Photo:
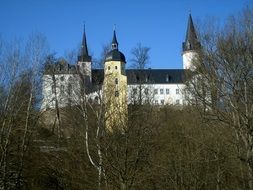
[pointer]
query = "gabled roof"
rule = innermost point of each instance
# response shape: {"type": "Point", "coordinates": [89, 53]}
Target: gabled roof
{"type": "Point", "coordinates": [155, 76]}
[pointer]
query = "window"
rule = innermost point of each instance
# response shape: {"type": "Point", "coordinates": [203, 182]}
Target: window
{"type": "Point", "coordinates": [116, 81]}
{"type": "Point", "coordinates": [53, 89]}
{"type": "Point", "coordinates": [116, 67]}
{"type": "Point", "coordinates": [146, 91]}
{"type": "Point", "coordinates": [177, 91]}
{"type": "Point", "coordinates": [177, 101]}
{"type": "Point", "coordinates": [62, 89]}
{"type": "Point", "coordinates": [135, 90]}
{"type": "Point", "coordinates": [167, 90]}
{"type": "Point", "coordinates": [156, 91]}
{"type": "Point", "coordinates": [62, 78]}
{"type": "Point", "coordinates": [70, 89]}
{"type": "Point", "coordinates": [161, 91]}
{"type": "Point", "coordinates": [96, 99]}
{"type": "Point", "coordinates": [168, 78]}
{"type": "Point", "coordinates": [109, 67]}
{"type": "Point", "coordinates": [116, 93]}
{"type": "Point", "coordinates": [162, 102]}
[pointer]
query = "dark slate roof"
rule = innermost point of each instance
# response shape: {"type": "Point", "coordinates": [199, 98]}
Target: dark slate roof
{"type": "Point", "coordinates": [60, 67]}
{"type": "Point", "coordinates": [155, 76]}
{"type": "Point", "coordinates": [97, 76]}
{"type": "Point", "coordinates": [115, 55]}
{"type": "Point", "coordinates": [145, 76]}
{"type": "Point", "coordinates": [84, 54]}
{"type": "Point", "coordinates": [191, 39]}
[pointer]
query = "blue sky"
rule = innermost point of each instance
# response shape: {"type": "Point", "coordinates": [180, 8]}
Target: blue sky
{"type": "Point", "coordinates": [158, 24]}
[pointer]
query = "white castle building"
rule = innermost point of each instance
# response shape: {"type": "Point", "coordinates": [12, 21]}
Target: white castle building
{"type": "Point", "coordinates": [64, 84]}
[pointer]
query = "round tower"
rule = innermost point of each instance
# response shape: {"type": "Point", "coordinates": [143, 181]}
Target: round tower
{"type": "Point", "coordinates": [115, 87]}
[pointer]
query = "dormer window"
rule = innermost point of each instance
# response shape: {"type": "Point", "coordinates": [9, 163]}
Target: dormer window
{"type": "Point", "coordinates": [168, 78]}
{"type": "Point", "coordinates": [146, 78]}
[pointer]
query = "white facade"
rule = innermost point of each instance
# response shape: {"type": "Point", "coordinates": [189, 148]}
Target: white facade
{"type": "Point", "coordinates": [61, 89]}
{"type": "Point", "coordinates": [165, 87]}
{"type": "Point", "coordinates": [157, 94]}
{"type": "Point", "coordinates": [66, 91]}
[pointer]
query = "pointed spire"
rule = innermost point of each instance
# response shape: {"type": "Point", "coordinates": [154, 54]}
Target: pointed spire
{"type": "Point", "coordinates": [114, 40]}
{"type": "Point", "coordinates": [84, 43]}
{"type": "Point", "coordinates": [84, 54]}
{"type": "Point", "coordinates": [190, 34]}
{"type": "Point", "coordinates": [191, 39]}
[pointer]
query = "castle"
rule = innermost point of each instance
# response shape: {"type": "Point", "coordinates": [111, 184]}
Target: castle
{"type": "Point", "coordinates": [63, 84]}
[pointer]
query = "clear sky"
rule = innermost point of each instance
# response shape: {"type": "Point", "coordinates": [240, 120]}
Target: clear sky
{"type": "Point", "coordinates": [158, 24]}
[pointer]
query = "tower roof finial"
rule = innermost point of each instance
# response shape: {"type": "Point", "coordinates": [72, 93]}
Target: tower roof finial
{"type": "Point", "coordinates": [114, 39]}
{"type": "Point", "coordinates": [84, 26]}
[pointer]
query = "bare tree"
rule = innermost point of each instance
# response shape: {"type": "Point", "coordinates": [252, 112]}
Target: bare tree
{"type": "Point", "coordinates": [140, 57]}
{"type": "Point", "coordinates": [223, 82]}
{"type": "Point", "coordinates": [141, 92]}
{"type": "Point", "coordinates": [18, 115]}
{"type": "Point", "coordinates": [99, 62]}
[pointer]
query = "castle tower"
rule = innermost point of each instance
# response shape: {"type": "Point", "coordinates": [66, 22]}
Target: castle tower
{"type": "Point", "coordinates": [115, 88]}
{"type": "Point", "coordinates": [190, 46]}
{"type": "Point", "coordinates": [84, 61]}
